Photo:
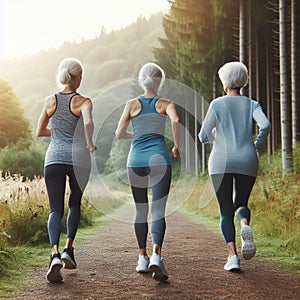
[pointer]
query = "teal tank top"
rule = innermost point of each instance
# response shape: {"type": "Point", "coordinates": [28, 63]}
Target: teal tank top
{"type": "Point", "coordinates": [148, 147]}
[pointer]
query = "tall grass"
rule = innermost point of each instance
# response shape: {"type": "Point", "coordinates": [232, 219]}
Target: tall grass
{"type": "Point", "coordinates": [24, 211]}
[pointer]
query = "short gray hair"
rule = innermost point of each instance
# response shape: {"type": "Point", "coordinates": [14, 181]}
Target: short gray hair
{"type": "Point", "coordinates": [233, 75]}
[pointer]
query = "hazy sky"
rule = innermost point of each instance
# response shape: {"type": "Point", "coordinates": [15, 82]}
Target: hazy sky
{"type": "Point", "coordinates": [27, 26]}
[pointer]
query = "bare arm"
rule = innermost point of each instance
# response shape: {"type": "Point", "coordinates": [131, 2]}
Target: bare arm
{"type": "Point", "coordinates": [86, 111]}
{"type": "Point", "coordinates": [42, 127]}
{"type": "Point", "coordinates": [121, 131]}
{"type": "Point", "coordinates": [173, 115]}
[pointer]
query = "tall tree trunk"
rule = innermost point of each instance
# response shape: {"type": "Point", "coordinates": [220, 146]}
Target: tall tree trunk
{"type": "Point", "coordinates": [243, 35]}
{"type": "Point", "coordinates": [196, 130]}
{"type": "Point", "coordinates": [187, 137]}
{"type": "Point", "coordinates": [285, 98]}
{"type": "Point", "coordinates": [250, 52]}
{"type": "Point", "coordinates": [295, 77]}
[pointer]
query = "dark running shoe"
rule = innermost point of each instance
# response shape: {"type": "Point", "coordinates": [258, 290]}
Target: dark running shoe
{"type": "Point", "coordinates": [68, 258]}
{"type": "Point", "coordinates": [54, 272]}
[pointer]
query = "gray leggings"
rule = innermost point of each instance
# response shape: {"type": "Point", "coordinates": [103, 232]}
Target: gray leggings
{"type": "Point", "coordinates": [159, 179]}
{"type": "Point", "coordinates": [55, 178]}
{"type": "Point", "coordinates": [223, 186]}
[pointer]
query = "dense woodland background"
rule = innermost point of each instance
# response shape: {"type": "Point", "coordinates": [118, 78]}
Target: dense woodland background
{"type": "Point", "coordinates": [191, 42]}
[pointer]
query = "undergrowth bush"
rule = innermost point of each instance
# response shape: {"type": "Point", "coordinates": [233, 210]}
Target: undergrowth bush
{"type": "Point", "coordinates": [25, 210]}
{"type": "Point", "coordinates": [25, 158]}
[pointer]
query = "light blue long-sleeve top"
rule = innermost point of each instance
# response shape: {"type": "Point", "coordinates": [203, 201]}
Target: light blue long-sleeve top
{"type": "Point", "coordinates": [228, 124]}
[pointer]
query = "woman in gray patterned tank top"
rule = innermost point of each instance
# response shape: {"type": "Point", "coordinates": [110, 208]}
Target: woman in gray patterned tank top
{"type": "Point", "coordinates": [67, 119]}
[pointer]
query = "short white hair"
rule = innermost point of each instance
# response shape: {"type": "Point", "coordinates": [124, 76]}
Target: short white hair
{"type": "Point", "coordinates": [233, 75]}
{"type": "Point", "coordinates": [150, 75]}
{"type": "Point", "coordinates": [67, 70]}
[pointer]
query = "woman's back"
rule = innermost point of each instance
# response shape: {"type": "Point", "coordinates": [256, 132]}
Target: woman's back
{"type": "Point", "coordinates": [68, 145]}
{"type": "Point", "coordinates": [148, 146]}
{"type": "Point", "coordinates": [233, 150]}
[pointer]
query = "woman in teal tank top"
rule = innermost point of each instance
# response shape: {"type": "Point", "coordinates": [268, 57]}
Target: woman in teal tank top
{"type": "Point", "coordinates": [149, 162]}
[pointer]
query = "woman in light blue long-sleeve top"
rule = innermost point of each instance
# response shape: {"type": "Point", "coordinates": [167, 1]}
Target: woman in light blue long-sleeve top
{"type": "Point", "coordinates": [233, 162]}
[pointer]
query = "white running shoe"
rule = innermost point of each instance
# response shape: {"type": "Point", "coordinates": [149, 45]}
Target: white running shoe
{"type": "Point", "coordinates": [143, 264]}
{"type": "Point", "coordinates": [54, 273]}
{"type": "Point", "coordinates": [248, 246]}
{"type": "Point", "coordinates": [157, 267]}
{"type": "Point", "coordinates": [233, 264]}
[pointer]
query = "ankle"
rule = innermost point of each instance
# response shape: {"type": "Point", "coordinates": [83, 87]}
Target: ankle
{"type": "Point", "coordinates": [157, 249]}
{"type": "Point", "coordinates": [143, 252]}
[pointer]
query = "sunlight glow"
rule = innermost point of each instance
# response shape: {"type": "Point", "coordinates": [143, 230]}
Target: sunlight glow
{"type": "Point", "coordinates": [28, 26]}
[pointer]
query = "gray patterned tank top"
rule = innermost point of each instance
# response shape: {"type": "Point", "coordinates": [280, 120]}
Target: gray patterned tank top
{"type": "Point", "coordinates": [68, 143]}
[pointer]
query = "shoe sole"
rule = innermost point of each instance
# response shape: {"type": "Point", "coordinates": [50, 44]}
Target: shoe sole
{"type": "Point", "coordinates": [248, 245]}
{"type": "Point", "coordinates": [54, 272]}
{"type": "Point", "coordinates": [142, 271]}
{"type": "Point", "coordinates": [68, 262]}
{"type": "Point", "coordinates": [158, 273]}
{"type": "Point", "coordinates": [233, 270]}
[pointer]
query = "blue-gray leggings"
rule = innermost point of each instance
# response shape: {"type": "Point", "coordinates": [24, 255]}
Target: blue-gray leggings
{"type": "Point", "coordinates": [223, 185]}
{"type": "Point", "coordinates": [55, 178]}
{"type": "Point", "coordinates": [159, 179]}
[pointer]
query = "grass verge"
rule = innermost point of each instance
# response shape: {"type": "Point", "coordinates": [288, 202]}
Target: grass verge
{"type": "Point", "coordinates": [23, 259]}
{"type": "Point", "coordinates": [274, 223]}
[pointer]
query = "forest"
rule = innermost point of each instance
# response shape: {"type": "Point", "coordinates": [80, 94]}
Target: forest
{"type": "Point", "coordinates": [26, 81]}
{"type": "Point", "coordinates": [262, 35]}
{"type": "Point", "coordinates": [190, 43]}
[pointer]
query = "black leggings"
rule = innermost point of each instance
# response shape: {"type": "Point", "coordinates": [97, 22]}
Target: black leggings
{"type": "Point", "coordinates": [55, 178]}
{"type": "Point", "coordinates": [223, 186]}
{"type": "Point", "coordinates": [160, 180]}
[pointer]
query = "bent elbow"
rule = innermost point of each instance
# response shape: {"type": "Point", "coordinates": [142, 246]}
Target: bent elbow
{"type": "Point", "coordinates": [39, 133]}
{"type": "Point", "coordinates": [176, 120]}
{"type": "Point", "coordinates": [89, 124]}
{"type": "Point", "coordinates": [118, 135]}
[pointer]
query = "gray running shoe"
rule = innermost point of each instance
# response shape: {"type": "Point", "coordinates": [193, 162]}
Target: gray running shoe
{"type": "Point", "coordinates": [248, 246]}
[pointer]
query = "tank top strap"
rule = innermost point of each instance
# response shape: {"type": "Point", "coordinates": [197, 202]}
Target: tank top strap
{"type": "Point", "coordinates": [148, 104]}
{"type": "Point", "coordinates": [63, 101]}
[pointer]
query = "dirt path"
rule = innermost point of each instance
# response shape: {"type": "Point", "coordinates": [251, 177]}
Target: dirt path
{"type": "Point", "coordinates": [193, 256]}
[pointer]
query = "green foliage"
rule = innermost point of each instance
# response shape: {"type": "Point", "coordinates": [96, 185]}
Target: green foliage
{"type": "Point", "coordinates": [25, 158]}
{"type": "Point", "coordinates": [273, 165]}
{"type": "Point", "coordinates": [13, 124]}
{"type": "Point", "coordinates": [195, 45]}
{"type": "Point", "coordinates": [118, 158]}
